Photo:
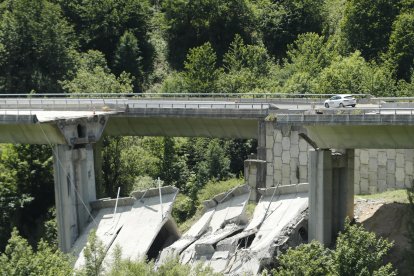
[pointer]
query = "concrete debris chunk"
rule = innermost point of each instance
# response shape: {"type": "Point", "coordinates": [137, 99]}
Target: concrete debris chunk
{"type": "Point", "coordinates": [141, 225]}
{"type": "Point", "coordinates": [224, 215]}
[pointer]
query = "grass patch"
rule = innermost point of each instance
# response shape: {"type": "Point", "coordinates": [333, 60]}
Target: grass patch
{"type": "Point", "coordinates": [388, 196]}
{"type": "Point", "coordinates": [250, 209]}
{"type": "Point", "coordinates": [211, 189]}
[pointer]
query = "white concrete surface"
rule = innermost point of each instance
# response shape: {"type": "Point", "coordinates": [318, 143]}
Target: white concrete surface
{"type": "Point", "coordinates": [224, 215]}
{"type": "Point", "coordinates": [134, 226]}
{"type": "Point", "coordinates": [271, 216]}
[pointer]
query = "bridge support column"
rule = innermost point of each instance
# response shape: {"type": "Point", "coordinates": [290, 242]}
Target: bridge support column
{"type": "Point", "coordinates": [255, 176]}
{"type": "Point", "coordinates": [331, 193]}
{"type": "Point", "coordinates": [74, 173]}
{"type": "Point", "coordinates": [74, 189]}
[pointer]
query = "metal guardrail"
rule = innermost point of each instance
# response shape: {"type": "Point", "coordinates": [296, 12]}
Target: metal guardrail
{"type": "Point", "coordinates": [118, 104]}
{"type": "Point", "coordinates": [357, 115]}
{"type": "Point", "coordinates": [179, 95]}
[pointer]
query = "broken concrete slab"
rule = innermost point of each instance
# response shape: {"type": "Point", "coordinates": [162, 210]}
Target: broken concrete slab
{"type": "Point", "coordinates": [272, 219]}
{"type": "Point", "coordinates": [141, 225]}
{"type": "Point", "coordinates": [224, 215]}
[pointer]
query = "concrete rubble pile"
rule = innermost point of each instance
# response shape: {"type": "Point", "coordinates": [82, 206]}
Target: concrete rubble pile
{"type": "Point", "coordinates": [279, 218]}
{"type": "Point", "coordinates": [141, 225]}
{"type": "Point", "coordinates": [224, 215]}
{"type": "Point", "coordinates": [222, 239]}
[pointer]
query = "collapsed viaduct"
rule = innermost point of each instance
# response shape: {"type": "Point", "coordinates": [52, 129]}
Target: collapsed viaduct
{"type": "Point", "coordinates": [325, 140]}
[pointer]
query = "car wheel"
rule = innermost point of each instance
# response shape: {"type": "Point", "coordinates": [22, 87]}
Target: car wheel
{"type": "Point", "coordinates": [353, 105]}
{"type": "Point", "coordinates": [326, 105]}
{"type": "Point", "coordinates": [341, 105]}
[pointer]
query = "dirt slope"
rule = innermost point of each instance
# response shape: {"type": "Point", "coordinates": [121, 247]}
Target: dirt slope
{"type": "Point", "coordinates": [387, 220]}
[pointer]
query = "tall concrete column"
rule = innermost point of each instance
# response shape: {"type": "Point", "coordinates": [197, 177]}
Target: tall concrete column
{"type": "Point", "coordinates": [320, 196]}
{"type": "Point", "coordinates": [343, 188]}
{"type": "Point", "coordinates": [97, 155]}
{"type": "Point", "coordinates": [74, 174]}
{"type": "Point", "coordinates": [261, 141]}
{"type": "Point", "coordinates": [331, 193]}
{"type": "Point", "coordinates": [74, 189]}
{"type": "Point", "coordinates": [255, 176]}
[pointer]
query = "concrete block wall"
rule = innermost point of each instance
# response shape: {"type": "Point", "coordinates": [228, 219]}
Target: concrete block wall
{"type": "Point", "coordinates": [376, 170]}
{"type": "Point", "coordinates": [286, 156]}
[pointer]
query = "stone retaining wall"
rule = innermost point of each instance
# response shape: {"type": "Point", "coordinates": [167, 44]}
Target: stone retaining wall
{"type": "Point", "coordinates": [376, 170]}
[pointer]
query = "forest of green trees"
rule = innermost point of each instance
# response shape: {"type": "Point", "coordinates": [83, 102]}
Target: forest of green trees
{"type": "Point", "coordinates": [183, 46]}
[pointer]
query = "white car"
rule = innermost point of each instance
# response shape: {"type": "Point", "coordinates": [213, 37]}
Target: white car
{"type": "Point", "coordinates": [340, 101]}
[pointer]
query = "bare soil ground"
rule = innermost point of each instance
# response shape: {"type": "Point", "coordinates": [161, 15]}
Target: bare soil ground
{"type": "Point", "coordinates": [388, 220]}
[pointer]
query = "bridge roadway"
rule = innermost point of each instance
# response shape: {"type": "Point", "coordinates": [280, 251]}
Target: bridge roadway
{"type": "Point", "coordinates": [37, 120]}
{"type": "Point", "coordinates": [73, 125]}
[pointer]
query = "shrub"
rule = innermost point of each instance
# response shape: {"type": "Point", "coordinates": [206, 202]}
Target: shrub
{"type": "Point", "coordinates": [357, 252]}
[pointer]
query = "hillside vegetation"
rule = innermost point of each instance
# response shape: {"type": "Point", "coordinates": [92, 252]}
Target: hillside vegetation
{"type": "Point", "coordinates": [185, 46]}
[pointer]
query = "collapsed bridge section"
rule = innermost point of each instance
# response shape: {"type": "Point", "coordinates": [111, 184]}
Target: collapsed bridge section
{"type": "Point", "coordinates": [223, 240]}
{"type": "Point", "coordinates": [140, 224]}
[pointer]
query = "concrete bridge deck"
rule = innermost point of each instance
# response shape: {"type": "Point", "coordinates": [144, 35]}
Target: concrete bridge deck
{"type": "Point", "coordinates": [74, 125]}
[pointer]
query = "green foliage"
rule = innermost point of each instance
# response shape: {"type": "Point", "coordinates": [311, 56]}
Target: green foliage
{"type": "Point", "coordinates": [167, 169]}
{"type": "Point", "coordinates": [306, 259]}
{"type": "Point", "coordinates": [247, 68]}
{"type": "Point", "coordinates": [51, 229]}
{"type": "Point", "coordinates": [282, 21]}
{"type": "Point", "coordinates": [406, 89]}
{"type": "Point", "coordinates": [129, 267]}
{"type": "Point", "coordinates": [306, 58]}
{"type": "Point", "coordinates": [128, 59]}
{"type": "Point", "coordinates": [333, 12]}
{"type": "Point", "coordinates": [410, 227]}
{"type": "Point", "coordinates": [143, 182]}
{"type": "Point", "coordinates": [238, 150]}
{"type": "Point", "coordinates": [201, 74]}
{"type": "Point", "coordinates": [170, 268]}
{"type": "Point", "coordinates": [94, 253]}
{"type": "Point", "coordinates": [10, 201]}
{"type": "Point", "coordinates": [93, 76]}
{"type": "Point", "coordinates": [309, 53]}
{"type": "Point", "coordinates": [183, 208]}
{"type": "Point", "coordinates": [367, 25]}
{"type": "Point", "coordinates": [19, 259]}
{"type": "Point", "coordinates": [399, 196]}
{"type": "Point", "coordinates": [193, 23]}
{"type": "Point", "coordinates": [400, 55]}
{"type": "Point", "coordinates": [100, 25]}
{"type": "Point", "coordinates": [213, 188]}
{"type": "Point", "coordinates": [29, 177]}
{"type": "Point", "coordinates": [208, 191]}
{"type": "Point", "coordinates": [359, 252]}
{"type": "Point", "coordinates": [36, 46]}
{"type": "Point", "coordinates": [345, 75]}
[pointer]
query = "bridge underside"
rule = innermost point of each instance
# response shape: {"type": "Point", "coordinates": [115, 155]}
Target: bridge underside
{"type": "Point", "coordinates": [31, 134]}
{"type": "Point", "coordinates": [182, 127]}
{"type": "Point", "coordinates": [362, 136]}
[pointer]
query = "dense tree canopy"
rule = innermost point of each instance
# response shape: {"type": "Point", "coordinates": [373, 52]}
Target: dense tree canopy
{"type": "Point", "coordinates": [282, 21]}
{"type": "Point", "coordinates": [36, 46]}
{"type": "Point", "coordinates": [193, 23]}
{"type": "Point", "coordinates": [401, 48]}
{"type": "Point", "coordinates": [199, 46]}
{"type": "Point", "coordinates": [367, 25]}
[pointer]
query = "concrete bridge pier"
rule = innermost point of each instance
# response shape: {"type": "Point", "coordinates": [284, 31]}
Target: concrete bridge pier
{"type": "Point", "coordinates": [74, 188]}
{"type": "Point", "coordinates": [74, 175]}
{"type": "Point", "coordinates": [331, 195]}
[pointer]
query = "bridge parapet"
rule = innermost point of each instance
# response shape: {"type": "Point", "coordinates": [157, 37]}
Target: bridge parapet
{"type": "Point", "coordinates": [381, 116]}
